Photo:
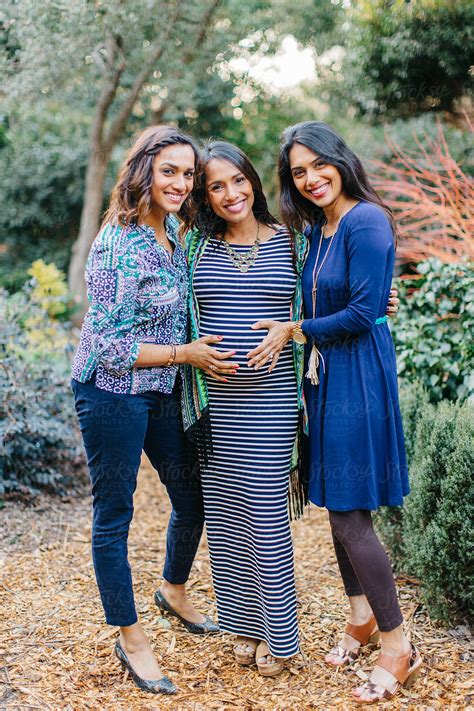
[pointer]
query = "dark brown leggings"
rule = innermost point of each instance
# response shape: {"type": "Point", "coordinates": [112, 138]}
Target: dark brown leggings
{"type": "Point", "coordinates": [364, 565]}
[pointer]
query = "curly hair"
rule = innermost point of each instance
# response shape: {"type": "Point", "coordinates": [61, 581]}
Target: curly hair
{"type": "Point", "coordinates": [204, 218]}
{"type": "Point", "coordinates": [321, 139]}
{"type": "Point", "coordinates": [130, 200]}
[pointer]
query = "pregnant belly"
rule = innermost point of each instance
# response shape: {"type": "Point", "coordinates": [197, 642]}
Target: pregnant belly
{"type": "Point", "coordinates": [234, 324]}
{"type": "Point", "coordinates": [244, 341]}
{"type": "Point", "coordinates": [240, 341]}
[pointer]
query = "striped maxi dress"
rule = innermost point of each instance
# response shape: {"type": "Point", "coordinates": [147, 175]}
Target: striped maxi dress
{"type": "Point", "coordinates": [254, 422]}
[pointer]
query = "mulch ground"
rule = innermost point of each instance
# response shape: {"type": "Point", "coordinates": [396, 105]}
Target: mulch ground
{"type": "Point", "coordinates": [56, 653]}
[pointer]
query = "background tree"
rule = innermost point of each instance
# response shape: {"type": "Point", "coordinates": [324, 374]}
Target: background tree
{"type": "Point", "coordinates": [407, 57]}
{"type": "Point", "coordinates": [113, 62]}
{"type": "Point", "coordinates": [82, 77]}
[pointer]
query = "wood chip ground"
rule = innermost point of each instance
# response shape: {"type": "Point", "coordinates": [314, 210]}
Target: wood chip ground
{"type": "Point", "coordinates": [56, 652]}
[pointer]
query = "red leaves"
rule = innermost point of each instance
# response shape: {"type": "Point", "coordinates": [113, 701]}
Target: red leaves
{"type": "Point", "coordinates": [432, 200]}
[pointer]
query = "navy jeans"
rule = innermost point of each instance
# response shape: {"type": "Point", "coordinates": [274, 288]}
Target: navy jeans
{"type": "Point", "coordinates": [116, 428]}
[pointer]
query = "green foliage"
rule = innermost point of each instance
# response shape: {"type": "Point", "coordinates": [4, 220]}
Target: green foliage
{"type": "Point", "coordinates": [42, 165]}
{"type": "Point", "coordinates": [57, 61]}
{"type": "Point", "coordinates": [389, 518]}
{"type": "Point", "coordinates": [430, 537]}
{"type": "Point", "coordinates": [405, 58]}
{"type": "Point", "coordinates": [369, 141]}
{"type": "Point", "coordinates": [38, 431]}
{"type": "Point", "coordinates": [439, 512]}
{"type": "Point", "coordinates": [433, 327]}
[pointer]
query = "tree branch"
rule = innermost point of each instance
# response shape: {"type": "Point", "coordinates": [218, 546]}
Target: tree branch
{"type": "Point", "coordinates": [202, 35]}
{"type": "Point", "coordinates": [205, 23]}
{"type": "Point", "coordinates": [107, 96]}
{"type": "Point", "coordinates": [118, 124]}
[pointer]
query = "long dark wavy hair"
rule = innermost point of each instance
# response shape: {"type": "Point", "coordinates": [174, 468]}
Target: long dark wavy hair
{"type": "Point", "coordinates": [205, 219]}
{"type": "Point", "coordinates": [130, 200]}
{"type": "Point", "coordinates": [297, 212]}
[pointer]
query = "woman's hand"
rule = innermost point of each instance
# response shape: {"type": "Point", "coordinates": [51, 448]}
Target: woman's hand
{"type": "Point", "coordinates": [272, 345]}
{"type": "Point", "coordinates": [393, 301]}
{"type": "Point", "coordinates": [200, 354]}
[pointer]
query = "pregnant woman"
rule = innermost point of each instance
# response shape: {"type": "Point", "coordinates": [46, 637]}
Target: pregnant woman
{"type": "Point", "coordinates": [243, 269]}
{"type": "Point", "coordinates": [126, 382]}
{"type": "Point", "coordinates": [356, 440]}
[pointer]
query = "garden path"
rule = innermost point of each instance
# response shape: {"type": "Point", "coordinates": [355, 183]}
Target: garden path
{"type": "Point", "coordinates": [57, 654]}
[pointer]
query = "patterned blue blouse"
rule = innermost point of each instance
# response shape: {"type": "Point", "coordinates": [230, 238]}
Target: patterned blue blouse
{"type": "Point", "coordinates": [137, 294]}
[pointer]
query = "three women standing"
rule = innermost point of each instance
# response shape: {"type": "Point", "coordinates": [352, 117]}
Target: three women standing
{"type": "Point", "coordinates": [245, 273]}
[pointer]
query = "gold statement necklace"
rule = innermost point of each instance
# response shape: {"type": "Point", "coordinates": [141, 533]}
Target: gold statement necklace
{"type": "Point", "coordinates": [316, 355]}
{"type": "Point", "coordinates": [243, 261]}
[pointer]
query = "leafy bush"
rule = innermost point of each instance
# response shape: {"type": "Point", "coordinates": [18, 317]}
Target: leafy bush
{"type": "Point", "coordinates": [431, 332]}
{"type": "Point", "coordinates": [42, 166]}
{"type": "Point", "coordinates": [389, 518]}
{"type": "Point", "coordinates": [38, 431]}
{"type": "Point", "coordinates": [439, 512]}
{"type": "Point", "coordinates": [430, 536]}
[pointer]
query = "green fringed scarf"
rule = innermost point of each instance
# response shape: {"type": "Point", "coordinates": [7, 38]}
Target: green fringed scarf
{"type": "Point", "coordinates": [195, 397]}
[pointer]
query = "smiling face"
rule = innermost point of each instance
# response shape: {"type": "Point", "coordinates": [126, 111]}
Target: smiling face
{"type": "Point", "coordinates": [316, 180]}
{"type": "Point", "coordinates": [229, 192]}
{"type": "Point", "coordinates": [173, 177]}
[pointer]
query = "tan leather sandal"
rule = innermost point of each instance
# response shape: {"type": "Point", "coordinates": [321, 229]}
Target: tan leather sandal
{"type": "Point", "coordinates": [245, 658]}
{"type": "Point", "coordinates": [271, 667]}
{"type": "Point", "coordinates": [404, 668]}
{"type": "Point", "coordinates": [367, 635]}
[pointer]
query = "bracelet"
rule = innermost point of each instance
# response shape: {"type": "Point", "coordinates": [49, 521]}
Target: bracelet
{"type": "Point", "coordinates": [172, 357]}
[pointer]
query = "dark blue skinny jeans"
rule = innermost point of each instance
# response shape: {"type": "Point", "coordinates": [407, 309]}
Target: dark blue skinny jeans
{"type": "Point", "coordinates": [116, 428]}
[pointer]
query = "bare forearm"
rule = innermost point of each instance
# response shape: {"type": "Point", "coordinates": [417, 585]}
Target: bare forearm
{"type": "Point", "coordinates": [198, 353]}
{"type": "Point", "coordinates": [152, 355]}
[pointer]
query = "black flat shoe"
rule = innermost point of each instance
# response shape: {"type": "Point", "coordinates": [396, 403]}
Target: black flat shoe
{"type": "Point", "coordinates": [158, 686]}
{"type": "Point", "coordinates": [206, 627]}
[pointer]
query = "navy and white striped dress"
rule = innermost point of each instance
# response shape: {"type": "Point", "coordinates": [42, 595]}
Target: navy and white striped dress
{"type": "Point", "coordinates": [254, 422]}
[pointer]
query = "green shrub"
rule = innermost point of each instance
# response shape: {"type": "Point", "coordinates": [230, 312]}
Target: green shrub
{"type": "Point", "coordinates": [432, 331]}
{"type": "Point", "coordinates": [38, 429]}
{"type": "Point", "coordinates": [430, 537]}
{"type": "Point", "coordinates": [42, 165]}
{"type": "Point", "coordinates": [437, 522]}
{"type": "Point", "coordinates": [389, 519]}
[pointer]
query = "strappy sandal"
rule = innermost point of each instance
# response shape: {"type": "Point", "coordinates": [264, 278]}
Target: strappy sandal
{"type": "Point", "coordinates": [367, 635]}
{"type": "Point", "coordinates": [269, 668]}
{"type": "Point", "coordinates": [245, 658]}
{"type": "Point", "coordinates": [405, 669]}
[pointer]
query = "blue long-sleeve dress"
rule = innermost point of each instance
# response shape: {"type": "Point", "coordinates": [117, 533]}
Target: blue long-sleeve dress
{"type": "Point", "coordinates": [356, 445]}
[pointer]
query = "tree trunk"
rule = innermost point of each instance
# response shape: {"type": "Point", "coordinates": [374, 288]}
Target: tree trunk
{"type": "Point", "coordinates": [101, 145]}
{"type": "Point", "coordinates": [92, 207]}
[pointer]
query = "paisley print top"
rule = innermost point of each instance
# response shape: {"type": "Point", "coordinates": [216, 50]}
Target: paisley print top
{"type": "Point", "coordinates": [137, 294]}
